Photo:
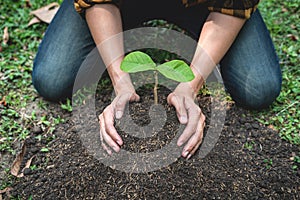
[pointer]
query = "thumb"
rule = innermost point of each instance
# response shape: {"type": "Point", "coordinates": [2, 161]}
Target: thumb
{"type": "Point", "coordinates": [134, 97]}
{"type": "Point", "coordinates": [178, 103]}
{"type": "Point", "coordinates": [121, 102]}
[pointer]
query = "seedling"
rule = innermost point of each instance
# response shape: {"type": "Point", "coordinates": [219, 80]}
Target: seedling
{"type": "Point", "coordinates": [44, 150]}
{"type": "Point", "coordinates": [67, 106]}
{"type": "Point", "coordinates": [176, 70]}
{"type": "Point", "coordinates": [268, 163]}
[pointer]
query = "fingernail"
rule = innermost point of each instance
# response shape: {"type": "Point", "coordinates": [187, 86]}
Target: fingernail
{"type": "Point", "coordinates": [185, 154]}
{"type": "Point", "coordinates": [189, 156]}
{"type": "Point", "coordinates": [179, 143]}
{"type": "Point", "coordinates": [119, 114]}
{"type": "Point", "coordinates": [119, 142]}
{"type": "Point", "coordinates": [183, 119]}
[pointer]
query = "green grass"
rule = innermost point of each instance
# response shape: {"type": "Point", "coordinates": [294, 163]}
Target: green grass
{"type": "Point", "coordinates": [16, 60]}
{"type": "Point", "coordinates": [17, 92]}
{"type": "Point", "coordinates": [283, 21]}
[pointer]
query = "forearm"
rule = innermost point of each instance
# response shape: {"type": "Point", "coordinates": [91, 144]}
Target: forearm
{"type": "Point", "coordinates": [105, 24]}
{"type": "Point", "coordinates": [217, 35]}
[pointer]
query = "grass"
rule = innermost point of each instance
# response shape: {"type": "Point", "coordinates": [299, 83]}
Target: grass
{"type": "Point", "coordinates": [16, 58]}
{"type": "Point", "coordinates": [17, 92]}
{"type": "Point", "coordinates": [283, 21]}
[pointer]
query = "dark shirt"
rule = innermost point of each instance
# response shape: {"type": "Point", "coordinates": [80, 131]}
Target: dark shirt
{"type": "Point", "coordinates": [238, 8]}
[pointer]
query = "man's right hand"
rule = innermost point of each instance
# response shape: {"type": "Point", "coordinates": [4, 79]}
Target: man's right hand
{"type": "Point", "coordinates": [108, 133]}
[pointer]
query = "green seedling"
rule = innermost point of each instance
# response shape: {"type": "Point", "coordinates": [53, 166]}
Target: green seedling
{"type": "Point", "coordinates": [67, 106]}
{"type": "Point", "coordinates": [176, 70]}
{"type": "Point", "coordinates": [268, 163]}
{"type": "Point", "coordinates": [44, 150]}
{"type": "Point", "coordinates": [249, 145]}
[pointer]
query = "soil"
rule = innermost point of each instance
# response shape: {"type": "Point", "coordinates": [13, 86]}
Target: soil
{"type": "Point", "coordinates": [249, 161]}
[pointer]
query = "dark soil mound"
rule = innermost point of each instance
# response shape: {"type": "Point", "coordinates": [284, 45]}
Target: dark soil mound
{"type": "Point", "coordinates": [249, 161]}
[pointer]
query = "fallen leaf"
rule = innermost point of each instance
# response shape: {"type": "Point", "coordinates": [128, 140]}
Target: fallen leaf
{"type": "Point", "coordinates": [2, 140]}
{"type": "Point", "coordinates": [34, 20]}
{"type": "Point", "coordinates": [44, 14]}
{"type": "Point", "coordinates": [272, 127]}
{"type": "Point", "coordinates": [5, 36]}
{"type": "Point", "coordinates": [15, 168]}
{"type": "Point", "coordinates": [292, 37]}
{"type": "Point", "coordinates": [28, 4]}
{"type": "Point", "coordinates": [3, 101]}
{"type": "Point", "coordinates": [28, 163]}
{"type": "Point", "coordinates": [6, 190]}
{"type": "Point", "coordinates": [50, 166]}
{"type": "Point", "coordinates": [283, 9]}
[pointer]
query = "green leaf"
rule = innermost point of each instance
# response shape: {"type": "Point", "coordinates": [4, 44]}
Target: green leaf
{"type": "Point", "coordinates": [137, 62]}
{"type": "Point", "coordinates": [176, 70]}
{"type": "Point", "coordinates": [44, 150]}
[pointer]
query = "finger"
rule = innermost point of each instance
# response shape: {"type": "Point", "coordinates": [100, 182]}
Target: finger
{"type": "Point", "coordinates": [195, 141]}
{"type": "Point", "coordinates": [105, 125]}
{"type": "Point", "coordinates": [178, 103]}
{"type": "Point", "coordinates": [194, 113]}
{"type": "Point", "coordinates": [104, 146]}
{"type": "Point", "coordinates": [194, 117]}
{"type": "Point", "coordinates": [120, 103]}
{"type": "Point", "coordinates": [134, 97]}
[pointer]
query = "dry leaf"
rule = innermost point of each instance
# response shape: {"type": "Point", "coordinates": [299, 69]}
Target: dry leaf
{"type": "Point", "coordinates": [6, 190]}
{"type": "Point", "coordinates": [283, 9]}
{"type": "Point", "coordinates": [27, 165]}
{"type": "Point", "coordinates": [28, 4]}
{"type": "Point", "coordinates": [45, 14]}
{"type": "Point", "coordinates": [271, 127]}
{"type": "Point", "coordinates": [34, 20]}
{"type": "Point", "coordinates": [15, 168]}
{"type": "Point", "coordinates": [5, 36]}
{"type": "Point", "coordinates": [293, 26]}
{"type": "Point", "coordinates": [2, 140]}
{"type": "Point", "coordinates": [3, 101]}
{"type": "Point", "coordinates": [292, 37]}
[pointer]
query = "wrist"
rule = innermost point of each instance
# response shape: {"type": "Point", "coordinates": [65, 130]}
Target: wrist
{"type": "Point", "coordinates": [121, 80]}
{"type": "Point", "coordinates": [122, 83]}
{"type": "Point", "coordinates": [197, 83]}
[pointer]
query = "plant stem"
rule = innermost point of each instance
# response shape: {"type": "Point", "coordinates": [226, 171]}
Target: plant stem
{"type": "Point", "coordinates": [155, 87]}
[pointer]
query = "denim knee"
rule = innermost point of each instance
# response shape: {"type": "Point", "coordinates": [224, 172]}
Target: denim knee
{"type": "Point", "coordinates": [259, 95]}
{"type": "Point", "coordinates": [52, 87]}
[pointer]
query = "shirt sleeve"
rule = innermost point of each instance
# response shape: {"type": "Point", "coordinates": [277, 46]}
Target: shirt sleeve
{"type": "Point", "coordinates": [82, 5]}
{"type": "Point", "coordinates": [238, 8]}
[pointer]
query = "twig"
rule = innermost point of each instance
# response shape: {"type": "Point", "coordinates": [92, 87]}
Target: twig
{"type": "Point", "coordinates": [155, 88]}
{"type": "Point", "coordinates": [287, 107]}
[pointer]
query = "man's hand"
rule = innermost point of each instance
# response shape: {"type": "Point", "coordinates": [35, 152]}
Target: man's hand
{"type": "Point", "coordinates": [190, 114]}
{"type": "Point", "coordinates": [108, 133]}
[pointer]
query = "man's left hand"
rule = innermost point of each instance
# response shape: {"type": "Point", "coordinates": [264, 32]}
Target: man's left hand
{"type": "Point", "coordinates": [189, 113]}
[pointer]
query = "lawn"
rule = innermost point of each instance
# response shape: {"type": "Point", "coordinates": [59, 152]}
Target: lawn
{"type": "Point", "coordinates": [24, 114]}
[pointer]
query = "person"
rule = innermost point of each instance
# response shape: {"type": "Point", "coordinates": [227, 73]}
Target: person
{"type": "Point", "coordinates": [232, 33]}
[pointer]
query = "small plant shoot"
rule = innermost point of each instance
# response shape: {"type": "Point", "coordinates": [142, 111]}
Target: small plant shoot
{"type": "Point", "coordinates": [176, 70]}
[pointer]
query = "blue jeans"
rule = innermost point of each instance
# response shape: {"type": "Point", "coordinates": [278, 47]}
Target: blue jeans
{"type": "Point", "coordinates": [250, 69]}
